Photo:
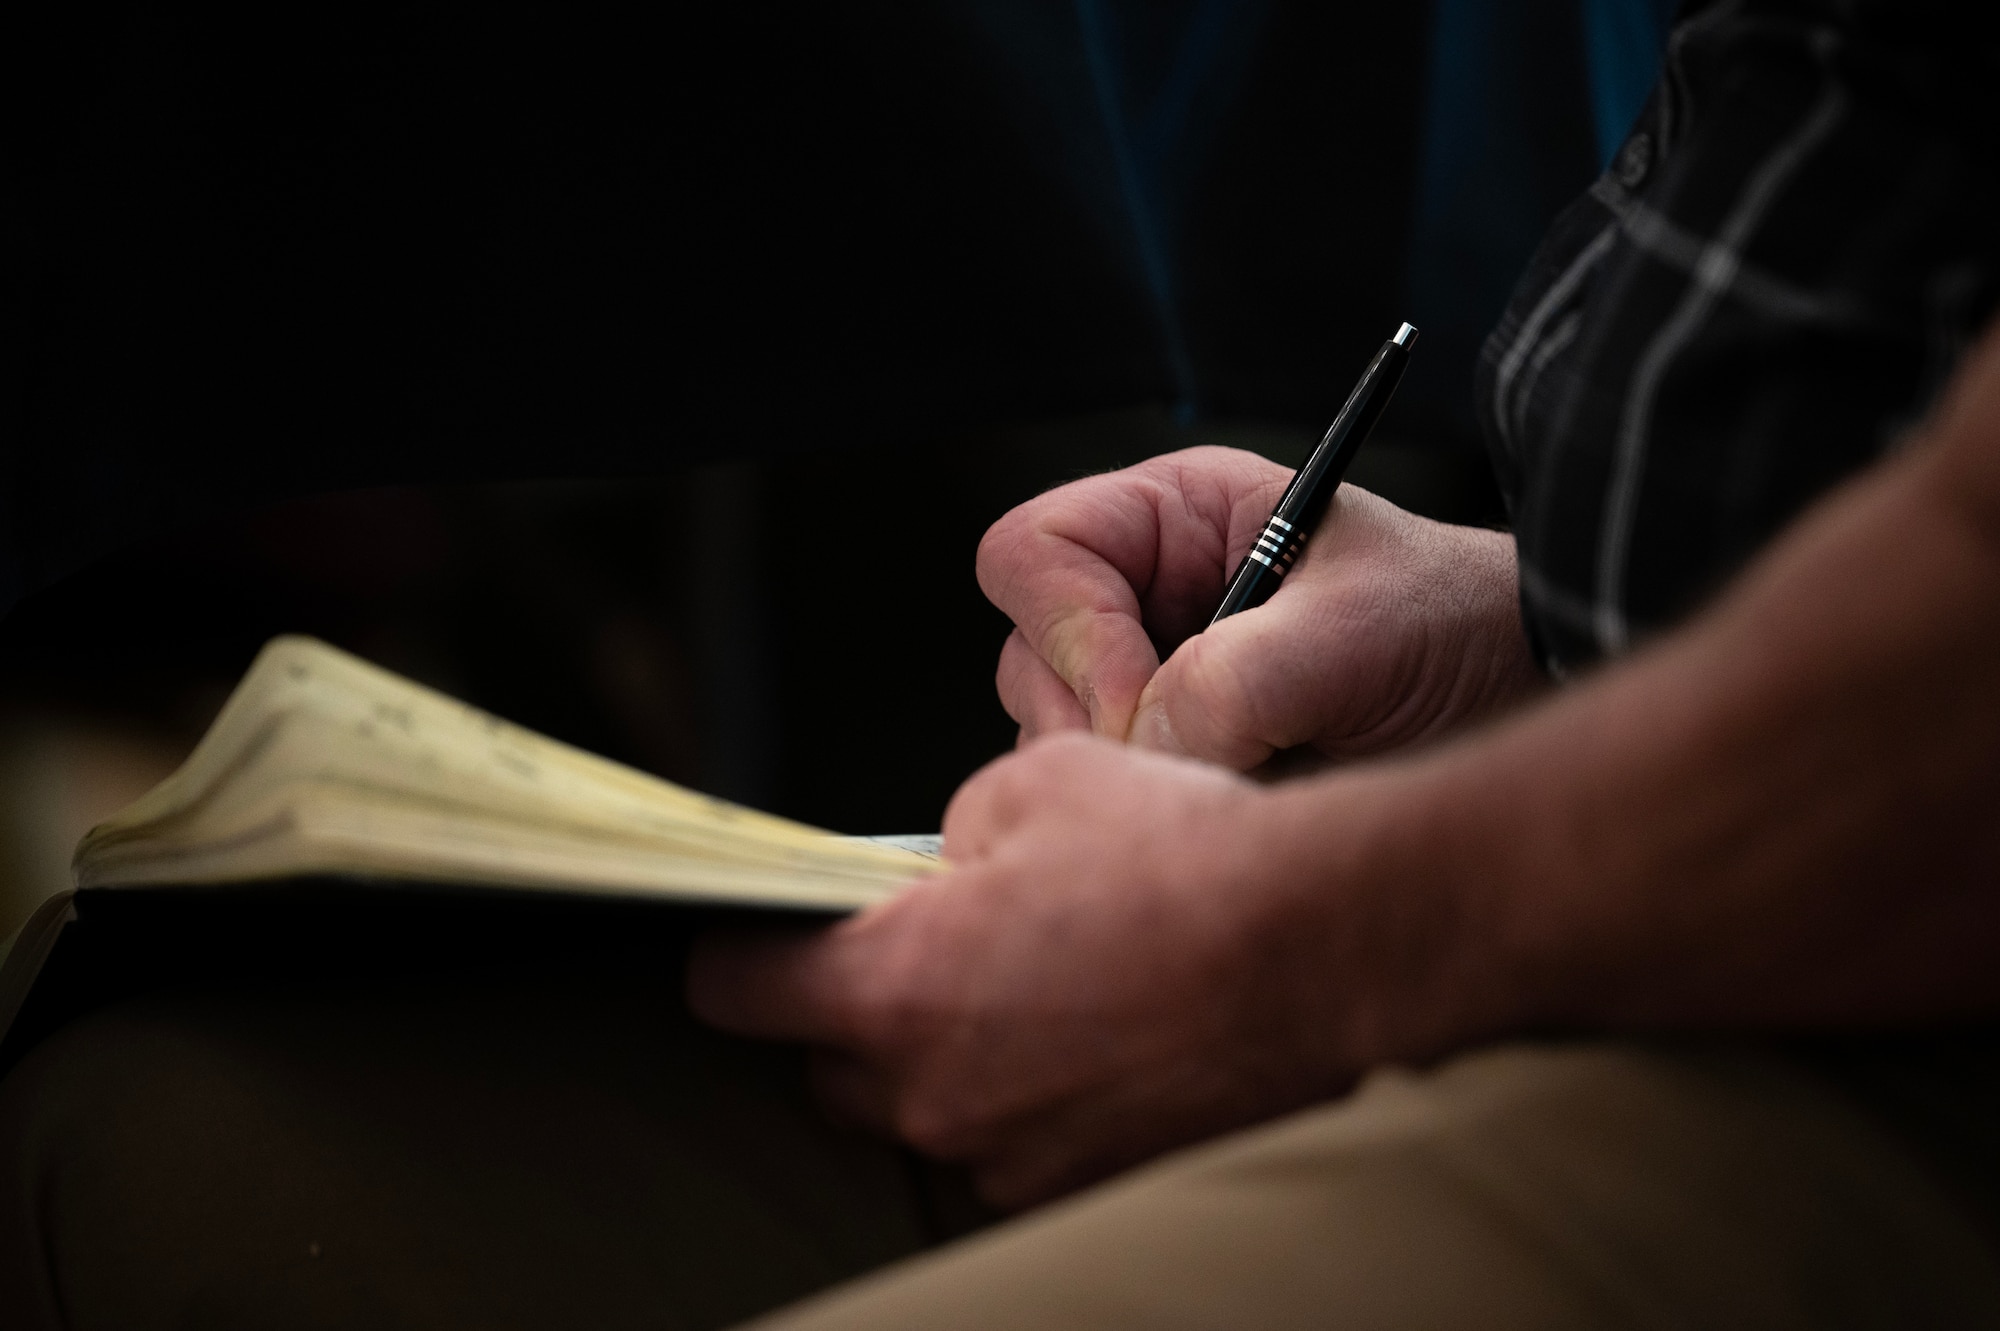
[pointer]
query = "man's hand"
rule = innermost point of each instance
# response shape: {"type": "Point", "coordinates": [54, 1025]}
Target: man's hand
{"type": "Point", "coordinates": [1784, 816]}
{"type": "Point", "coordinates": [1117, 965]}
{"type": "Point", "coordinates": [1391, 627]}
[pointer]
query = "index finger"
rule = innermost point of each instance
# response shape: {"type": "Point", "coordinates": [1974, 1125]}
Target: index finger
{"type": "Point", "coordinates": [1064, 567]}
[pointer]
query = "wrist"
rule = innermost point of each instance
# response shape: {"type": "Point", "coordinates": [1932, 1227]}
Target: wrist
{"type": "Point", "coordinates": [1390, 919]}
{"type": "Point", "coordinates": [1497, 666]}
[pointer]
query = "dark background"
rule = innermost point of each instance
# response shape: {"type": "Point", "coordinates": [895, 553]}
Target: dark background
{"type": "Point", "coordinates": [649, 377]}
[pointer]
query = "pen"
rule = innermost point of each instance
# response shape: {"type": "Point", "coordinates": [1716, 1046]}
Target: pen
{"type": "Point", "coordinates": [1306, 499]}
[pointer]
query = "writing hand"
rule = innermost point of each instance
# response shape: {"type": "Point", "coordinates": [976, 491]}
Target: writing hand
{"type": "Point", "coordinates": [1391, 627]}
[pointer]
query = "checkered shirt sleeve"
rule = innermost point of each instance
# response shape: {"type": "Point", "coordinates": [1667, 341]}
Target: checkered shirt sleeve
{"type": "Point", "coordinates": [1758, 298]}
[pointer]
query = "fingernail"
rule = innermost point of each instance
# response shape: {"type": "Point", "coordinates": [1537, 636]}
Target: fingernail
{"type": "Point", "coordinates": [1152, 729]}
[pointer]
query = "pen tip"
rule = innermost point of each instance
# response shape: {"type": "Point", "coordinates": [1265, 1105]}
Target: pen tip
{"type": "Point", "coordinates": [1406, 336]}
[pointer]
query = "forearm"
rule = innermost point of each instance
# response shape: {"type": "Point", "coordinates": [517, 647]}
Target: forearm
{"type": "Point", "coordinates": [1782, 816]}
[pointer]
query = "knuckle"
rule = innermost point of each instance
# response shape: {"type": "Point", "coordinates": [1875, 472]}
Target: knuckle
{"type": "Point", "coordinates": [1007, 779]}
{"type": "Point", "coordinates": [1008, 553]}
{"type": "Point", "coordinates": [973, 802]}
{"type": "Point", "coordinates": [965, 819]}
{"type": "Point", "coordinates": [889, 1007]}
{"type": "Point", "coordinates": [996, 549]}
{"type": "Point", "coordinates": [1016, 786]}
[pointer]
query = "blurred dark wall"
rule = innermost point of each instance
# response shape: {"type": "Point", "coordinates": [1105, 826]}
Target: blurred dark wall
{"type": "Point", "coordinates": [831, 659]}
{"type": "Point", "coordinates": [649, 377]}
{"type": "Point", "coordinates": [258, 252]}
{"type": "Point", "coordinates": [1507, 143]}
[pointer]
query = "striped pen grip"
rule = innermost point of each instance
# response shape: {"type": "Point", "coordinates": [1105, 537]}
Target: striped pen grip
{"type": "Point", "coordinates": [1278, 546]}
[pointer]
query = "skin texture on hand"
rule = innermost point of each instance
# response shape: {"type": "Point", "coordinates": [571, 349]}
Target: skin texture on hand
{"type": "Point", "coordinates": [1089, 986]}
{"type": "Point", "coordinates": [1392, 627]}
{"type": "Point", "coordinates": [1785, 816]}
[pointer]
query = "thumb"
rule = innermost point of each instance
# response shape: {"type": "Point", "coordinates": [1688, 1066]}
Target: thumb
{"type": "Point", "coordinates": [1207, 701]}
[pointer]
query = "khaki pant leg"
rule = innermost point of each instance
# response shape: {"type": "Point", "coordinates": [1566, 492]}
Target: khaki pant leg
{"type": "Point", "coordinates": [1545, 1186]}
{"type": "Point", "coordinates": [486, 1155]}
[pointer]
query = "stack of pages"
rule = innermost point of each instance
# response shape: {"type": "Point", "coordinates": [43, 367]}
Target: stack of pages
{"type": "Point", "coordinates": [324, 769]}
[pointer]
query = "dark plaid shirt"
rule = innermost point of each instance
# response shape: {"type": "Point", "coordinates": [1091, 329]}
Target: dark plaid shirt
{"type": "Point", "coordinates": [1767, 287]}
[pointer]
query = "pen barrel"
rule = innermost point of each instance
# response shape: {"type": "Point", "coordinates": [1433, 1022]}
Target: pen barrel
{"type": "Point", "coordinates": [1306, 499]}
{"type": "Point", "coordinates": [1256, 578]}
{"type": "Point", "coordinates": [1310, 493]}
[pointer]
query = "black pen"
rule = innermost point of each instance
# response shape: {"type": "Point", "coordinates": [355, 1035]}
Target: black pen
{"type": "Point", "coordinates": [1306, 499]}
